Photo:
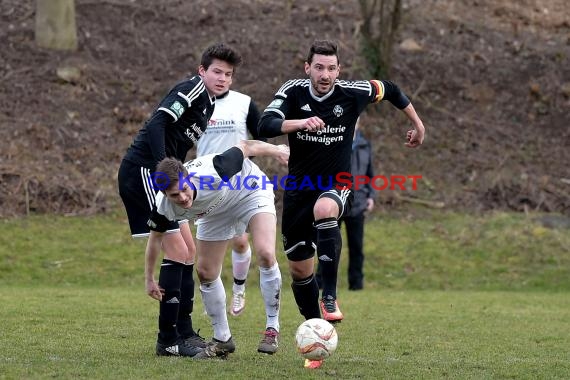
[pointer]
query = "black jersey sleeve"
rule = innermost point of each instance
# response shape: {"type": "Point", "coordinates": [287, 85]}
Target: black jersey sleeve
{"type": "Point", "coordinates": [272, 118]}
{"type": "Point", "coordinates": [270, 125]}
{"type": "Point", "coordinates": [155, 134]}
{"type": "Point", "coordinates": [252, 121]}
{"type": "Point", "coordinates": [277, 111]}
{"type": "Point", "coordinates": [228, 163]}
{"type": "Point", "coordinates": [390, 91]}
{"type": "Point", "coordinates": [181, 97]}
{"type": "Point", "coordinates": [158, 222]}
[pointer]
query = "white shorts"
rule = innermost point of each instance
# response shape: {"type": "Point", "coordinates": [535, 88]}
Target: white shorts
{"type": "Point", "coordinates": [235, 219]}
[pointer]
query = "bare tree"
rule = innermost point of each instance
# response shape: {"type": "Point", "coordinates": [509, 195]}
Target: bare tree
{"type": "Point", "coordinates": [381, 20]}
{"type": "Point", "coordinates": [55, 24]}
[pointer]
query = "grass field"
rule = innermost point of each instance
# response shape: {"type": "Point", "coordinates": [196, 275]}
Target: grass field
{"type": "Point", "coordinates": [447, 296]}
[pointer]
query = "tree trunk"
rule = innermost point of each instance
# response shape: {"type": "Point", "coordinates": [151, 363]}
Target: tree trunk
{"type": "Point", "coordinates": [55, 24]}
{"type": "Point", "coordinates": [380, 24]}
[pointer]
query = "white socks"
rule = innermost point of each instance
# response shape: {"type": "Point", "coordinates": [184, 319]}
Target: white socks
{"type": "Point", "coordinates": [270, 283]}
{"type": "Point", "coordinates": [240, 268]}
{"type": "Point", "coordinates": [214, 300]}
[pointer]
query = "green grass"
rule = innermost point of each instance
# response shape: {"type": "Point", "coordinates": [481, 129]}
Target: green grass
{"type": "Point", "coordinates": [450, 251]}
{"type": "Point", "coordinates": [447, 296]}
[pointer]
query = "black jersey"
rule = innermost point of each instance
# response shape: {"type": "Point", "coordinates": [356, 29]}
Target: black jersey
{"type": "Point", "coordinates": [321, 155]}
{"type": "Point", "coordinates": [175, 126]}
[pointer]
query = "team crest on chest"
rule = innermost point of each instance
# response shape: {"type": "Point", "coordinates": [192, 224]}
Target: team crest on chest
{"type": "Point", "coordinates": [337, 110]}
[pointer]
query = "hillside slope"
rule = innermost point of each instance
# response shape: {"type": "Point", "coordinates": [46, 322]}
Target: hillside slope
{"type": "Point", "coordinates": [491, 81]}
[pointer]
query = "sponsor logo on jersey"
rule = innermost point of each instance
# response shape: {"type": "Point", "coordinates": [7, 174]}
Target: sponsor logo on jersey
{"type": "Point", "coordinates": [192, 132]}
{"type": "Point", "coordinates": [212, 207]}
{"type": "Point", "coordinates": [337, 110]}
{"type": "Point", "coordinates": [194, 163]}
{"type": "Point", "coordinates": [306, 107]}
{"type": "Point", "coordinates": [188, 133]}
{"type": "Point", "coordinates": [177, 108]}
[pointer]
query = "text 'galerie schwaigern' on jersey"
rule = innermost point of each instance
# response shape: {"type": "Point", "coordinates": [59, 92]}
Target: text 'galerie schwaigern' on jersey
{"type": "Point", "coordinates": [160, 181]}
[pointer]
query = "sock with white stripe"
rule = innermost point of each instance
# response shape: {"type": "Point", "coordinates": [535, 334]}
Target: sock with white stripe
{"type": "Point", "coordinates": [306, 293]}
{"type": "Point", "coordinates": [169, 279]}
{"type": "Point", "coordinates": [184, 323]}
{"type": "Point", "coordinates": [329, 244]}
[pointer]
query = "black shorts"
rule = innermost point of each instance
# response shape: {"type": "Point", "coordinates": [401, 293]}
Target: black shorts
{"type": "Point", "coordinates": [138, 197]}
{"type": "Point", "coordinates": [297, 224]}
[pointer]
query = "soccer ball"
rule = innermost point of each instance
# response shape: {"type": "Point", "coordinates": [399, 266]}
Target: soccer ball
{"type": "Point", "coordinates": [316, 339]}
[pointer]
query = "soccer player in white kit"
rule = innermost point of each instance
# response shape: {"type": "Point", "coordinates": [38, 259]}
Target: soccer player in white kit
{"type": "Point", "coordinates": [235, 118]}
{"type": "Point", "coordinates": [225, 193]}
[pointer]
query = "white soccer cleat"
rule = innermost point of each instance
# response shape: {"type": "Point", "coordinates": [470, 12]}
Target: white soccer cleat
{"type": "Point", "coordinates": [238, 304]}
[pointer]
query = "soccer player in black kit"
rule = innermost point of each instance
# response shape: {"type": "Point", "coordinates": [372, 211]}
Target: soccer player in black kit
{"type": "Point", "coordinates": [174, 127]}
{"type": "Point", "coordinates": [319, 115]}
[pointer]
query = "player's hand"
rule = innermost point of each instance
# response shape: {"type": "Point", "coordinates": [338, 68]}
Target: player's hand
{"type": "Point", "coordinates": [154, 291]}
{"type": "Point", "coordinates": [415, 138]}
{"type": "Point", "coordinates": [369, 204]}
{"type": "Point", "coordinates": [313, 124]}
{"type": "Point", "coordinates": [283, 154]}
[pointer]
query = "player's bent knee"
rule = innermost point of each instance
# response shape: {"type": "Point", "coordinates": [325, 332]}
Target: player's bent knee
{"type": "Point", "coordinates": [240, 244]}
{"type": "Point", "coordinates": [206, 274]}
{"type": "Point", "coordinates": [266, 257]}
{"type": "Point", "coordinates": [300, 269]}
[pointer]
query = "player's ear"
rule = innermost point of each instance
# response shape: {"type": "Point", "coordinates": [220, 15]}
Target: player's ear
{"type": "Point", "coordinates": [307, 68]}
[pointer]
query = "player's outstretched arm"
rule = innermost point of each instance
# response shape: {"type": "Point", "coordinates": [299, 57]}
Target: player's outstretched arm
{"type": "Point", "coordinates": [415, 137]}
{"type": "Point", "coordinates": [310, 124]}
{"type": "Point", "coordinates": [151, 255]}
{"type": "Point", "coordinates": [273, 126]}
{"type": "Point", "coordinates": [260, 148]}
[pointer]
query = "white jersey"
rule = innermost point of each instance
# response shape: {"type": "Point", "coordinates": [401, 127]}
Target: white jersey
{"type": "Point", "coordinates": [228, 124]}
{"type": "Point", "coordinates": [214, 195]}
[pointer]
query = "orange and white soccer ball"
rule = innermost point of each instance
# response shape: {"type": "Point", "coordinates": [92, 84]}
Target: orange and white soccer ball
{"type": "Point", "coordinates": [316, 339]}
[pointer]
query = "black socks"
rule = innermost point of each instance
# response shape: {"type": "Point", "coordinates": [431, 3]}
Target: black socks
{"type": "Point", "coordinates": [329, 245]}
{"type": "Point", "coordinates": [306, 293]}
{"type": "Point", "coordinates": [169, 279]}
{"type": "Point", "coordinates": [184, 323]}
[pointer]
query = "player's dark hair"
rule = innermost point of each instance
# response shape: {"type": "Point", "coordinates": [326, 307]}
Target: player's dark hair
{"type": "Point", "coordinates": [222, 52]}
{"type": "Point", "coordinates": [323, 47]}
{"type": "Point", "coordinates": [171, 168]}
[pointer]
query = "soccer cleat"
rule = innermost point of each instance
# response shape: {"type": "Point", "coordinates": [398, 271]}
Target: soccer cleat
{"type": "Point", "coordinates": [269, 343]}
{"type": "Point", "coordinates": [217, 349]}
{"type": "Point", "coordinates": [238, 304]}
{"type": "Point", "coordinates": [330, 310]}
{"type": "Point", "coordinates": [178, 348]}
{"type": "Point", "coordinates": [195, 340]}
{"type": "Point", "coordinates": [313, 364]}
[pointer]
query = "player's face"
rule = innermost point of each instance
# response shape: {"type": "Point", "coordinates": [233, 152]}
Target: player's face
{"type": "Point", "coordinates": [323, 71]}
{"type": "Point", "coordinates": [182, 197]}
{"type": "Point", "coordinates": [218, 77]}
